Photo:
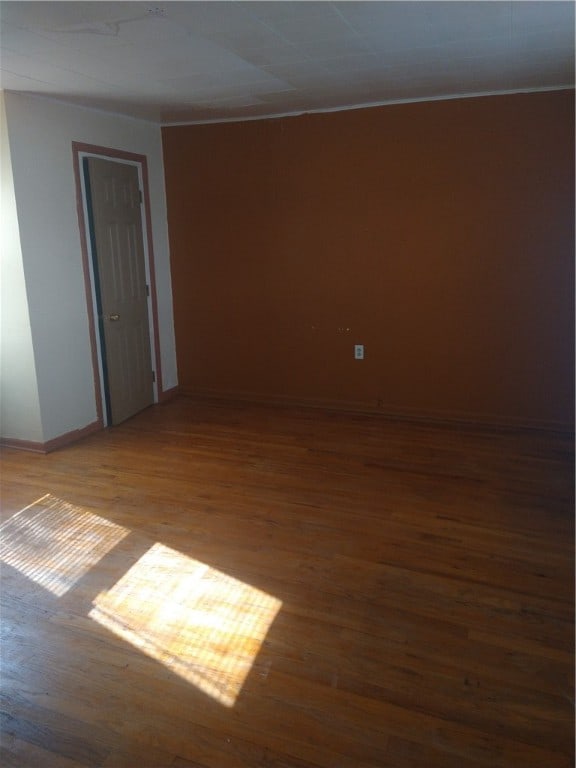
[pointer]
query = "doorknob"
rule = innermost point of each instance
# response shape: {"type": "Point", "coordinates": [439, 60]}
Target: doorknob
{"type": "Point", "coordinates": [113, 318]}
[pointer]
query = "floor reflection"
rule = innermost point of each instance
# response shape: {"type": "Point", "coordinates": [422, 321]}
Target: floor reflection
{"type": "Point", "coordinates": [203, 625]}
{"type": "Point", "coordinates": [54, 543]}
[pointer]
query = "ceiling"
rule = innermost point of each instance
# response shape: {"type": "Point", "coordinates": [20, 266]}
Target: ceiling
{"type": "Point", "coordinates": [172, 62]}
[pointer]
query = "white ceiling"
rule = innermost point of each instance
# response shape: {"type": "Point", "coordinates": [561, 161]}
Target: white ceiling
{"type": "Point", "coordinates": [205, 61]}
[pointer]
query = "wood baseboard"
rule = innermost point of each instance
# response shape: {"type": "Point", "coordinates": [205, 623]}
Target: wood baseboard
{"type": "Point", "coordinates": [451, 418]}
{"type": "Point", "coordinates": [55, 443]}
{"type": "Point", "coordinates": [76, 434]}
{"type": "Point", "coordinates": [22, 445]}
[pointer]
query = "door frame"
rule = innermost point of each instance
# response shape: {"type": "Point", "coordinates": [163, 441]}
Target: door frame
{"type": "Point", "coordinates": [79, 152]}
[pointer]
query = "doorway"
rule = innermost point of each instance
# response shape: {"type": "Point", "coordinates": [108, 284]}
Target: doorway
{"type": "Point", "coordinates": [120, 285]}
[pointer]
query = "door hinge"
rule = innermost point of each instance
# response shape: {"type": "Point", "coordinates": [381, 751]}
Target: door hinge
{"type": "Point", "coordinates": [140, 196]}
{"type": "Point", "coordinates": [153, 376]}
{"type": "Point", "coordinates": [147, 290]}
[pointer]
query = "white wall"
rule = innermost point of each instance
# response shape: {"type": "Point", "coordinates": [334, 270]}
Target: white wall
{"type": "Point", "coordinates": [19, 404]}
{"type": "Point", "coordinates": [41, 134]}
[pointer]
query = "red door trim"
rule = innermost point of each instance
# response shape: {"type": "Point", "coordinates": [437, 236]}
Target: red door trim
{"type": "Point", "coordinates": [111, 154]}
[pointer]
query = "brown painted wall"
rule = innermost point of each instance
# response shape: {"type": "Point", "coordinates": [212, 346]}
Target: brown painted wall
{"type": "Point", "coordinates": [441, 234]}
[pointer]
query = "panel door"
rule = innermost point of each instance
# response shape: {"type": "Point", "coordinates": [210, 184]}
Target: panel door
{"type": "Point", "coordinates": [121, 288]}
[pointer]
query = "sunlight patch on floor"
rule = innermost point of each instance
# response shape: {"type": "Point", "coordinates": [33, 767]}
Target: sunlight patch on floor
{"type": "Point", "coordinates": [203, 625]}
{"type": "Point", "coordinates": [54, 543]}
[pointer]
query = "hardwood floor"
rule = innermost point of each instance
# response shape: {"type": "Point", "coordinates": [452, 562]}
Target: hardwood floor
{"type": "Point", "coordinates": [214, 585]}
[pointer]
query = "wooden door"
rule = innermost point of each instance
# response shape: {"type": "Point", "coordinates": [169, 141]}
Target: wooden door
{"type": "Point", "coordinates": [114, 203]}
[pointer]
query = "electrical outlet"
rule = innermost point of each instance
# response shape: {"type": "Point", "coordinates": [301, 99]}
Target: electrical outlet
{"type": "Point", "coordinates": [359, 351]}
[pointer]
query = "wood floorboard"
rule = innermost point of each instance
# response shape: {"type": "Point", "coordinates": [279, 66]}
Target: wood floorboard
{"type": "Point", "coordinates": [221, 585]}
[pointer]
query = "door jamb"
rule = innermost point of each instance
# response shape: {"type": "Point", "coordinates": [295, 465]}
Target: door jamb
{"type": "Point", "coordinates": [79, 152]}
